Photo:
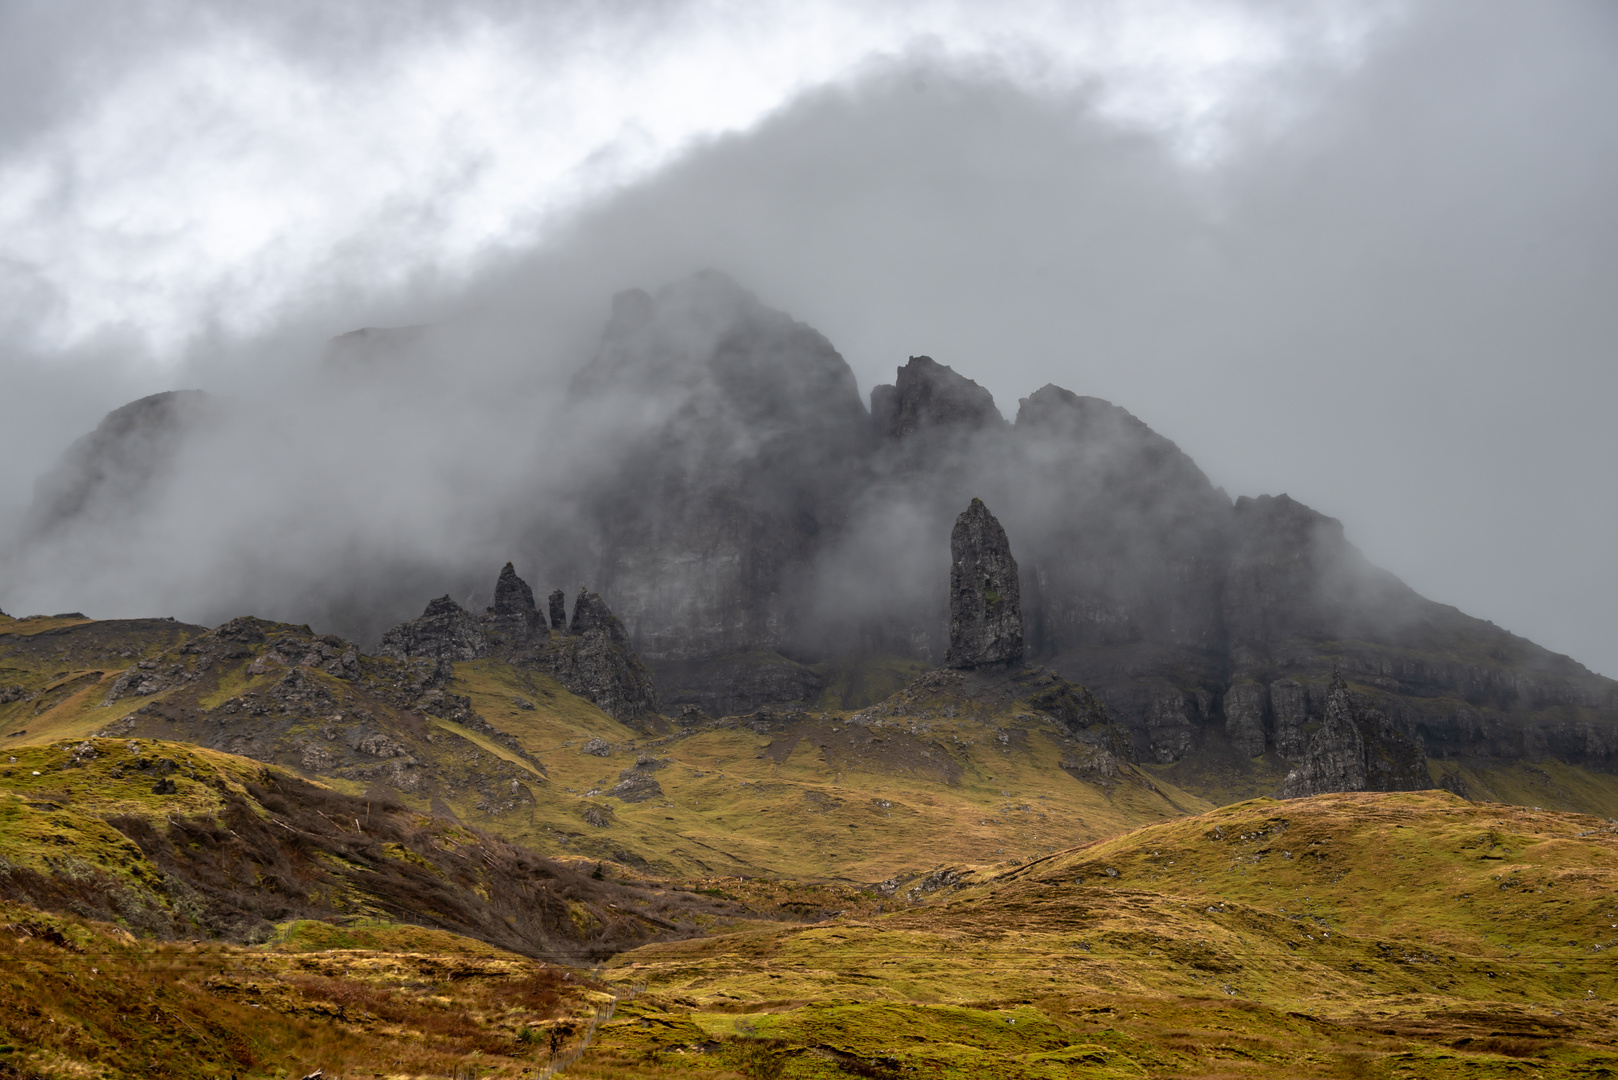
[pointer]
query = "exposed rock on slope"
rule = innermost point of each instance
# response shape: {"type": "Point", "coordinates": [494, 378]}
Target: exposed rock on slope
{"type": "Point", "coordinates": [1356, 748]}
{"type": "Point", "coordinates": [931, 397]}
{"type": "Point", "coordinates": [595, 661]}
{"type": "Point", "coordinates": [444, 631]}
{"type": "Point", "coordinates": [1301, 602]}
{"type": "Point", "coordinates": [1197, 623]}
{"type": "Point", "coordinates": [513, 615]}
{"type": "Point", "coordinates": [282, 695]}
{"type": "Point", "coordinates": [985, 606]}
{"type": "Point", "coordinates": [592, 659]}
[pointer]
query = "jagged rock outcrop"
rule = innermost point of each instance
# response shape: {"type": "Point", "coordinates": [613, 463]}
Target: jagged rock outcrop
{"type": "Point", "coordinates": [1356, 748]}
{"type": "Point", "coordinates": [1190, 617]}
{"type": "Point", "coordinates": [590, 612]}
{"type": "Point", "coordinates": [558, 610]}
{"type": "Point", "coordinates": [931, 397]}
{"type": "Point", "coordinates": [513, 597]}
{"type": "Point", "coordinates": [445, 632]}
{"type": "Point", "coordinates": [985, 602]}
{"type": "Point", "coordinates": [595, 660]}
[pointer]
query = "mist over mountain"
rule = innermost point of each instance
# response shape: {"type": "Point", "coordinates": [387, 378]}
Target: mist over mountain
{"type": "Point", "coordinates": [911, 540]}
{"type": "Point", "coordinates": [763, 535]}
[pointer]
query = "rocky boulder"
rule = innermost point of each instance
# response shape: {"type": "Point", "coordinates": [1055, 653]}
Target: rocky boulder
{"type": "Point", "coordinates": [985, 605]}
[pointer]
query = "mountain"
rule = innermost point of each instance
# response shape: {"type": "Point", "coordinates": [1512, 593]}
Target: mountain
{"type": "Point", "coordinates": [109, 473]}
{"type": "Point", "coordinates": [762, 539]}
{"type": "Point", "coordinates": [766, 541]}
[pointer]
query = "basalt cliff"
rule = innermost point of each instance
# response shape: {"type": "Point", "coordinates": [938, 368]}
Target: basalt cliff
{"type": "Point", "coordinates": [765, 538]}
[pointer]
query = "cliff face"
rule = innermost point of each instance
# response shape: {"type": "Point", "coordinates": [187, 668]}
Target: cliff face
{"type": "Point", "coordinates": [735, 433]}
{"type": "Point", "coordinates": [1356, 748]}
{"type": "Point", "coordinates": [1300, 601]}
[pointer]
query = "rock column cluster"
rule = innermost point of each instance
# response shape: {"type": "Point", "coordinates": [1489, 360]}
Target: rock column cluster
{"type": "Point", "coordinates": [591, 656]}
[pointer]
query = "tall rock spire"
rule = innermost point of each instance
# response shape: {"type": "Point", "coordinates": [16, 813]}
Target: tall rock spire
{"type": "Point", "coordinates": [513, 620]}
{"type": "Point", "coordinates": [512, 596]}
{"type": "Point", "coordinates": [985, 605]}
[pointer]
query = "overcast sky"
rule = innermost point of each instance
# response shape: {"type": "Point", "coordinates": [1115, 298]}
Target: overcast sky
{"type": "Point", "coordinates": [1364, 253]}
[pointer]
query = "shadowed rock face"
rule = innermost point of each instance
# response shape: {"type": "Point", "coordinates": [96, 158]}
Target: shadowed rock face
{"type": "Point", "coordinates": [595, 660]}
{"type": "Point", "coordinates": [1357, 748]}
{"type": "Point", "coordinates": [985, 604]}
{"type": "Point", "coordinates": [736, 437]}
{"type": "Point", "coordinates": [513, 616]}
{"type": "Point", "coordinates": [590, 612]}
{"type": "Point", "coordinates": [1191, 618]}
{"type": "Point", "coordinates": [930, 397]}
{"type": "Point", "coordinates": [512, 596]}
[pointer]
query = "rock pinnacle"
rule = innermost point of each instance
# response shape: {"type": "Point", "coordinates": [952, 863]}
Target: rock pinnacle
{"type": "Point", "coordinates": [985, 606]}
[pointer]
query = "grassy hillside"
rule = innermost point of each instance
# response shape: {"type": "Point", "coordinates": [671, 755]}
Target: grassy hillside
{"type": "Point", "coordinates": [1371, 935]}
{"type": "Point", "coordinates": [1351, 936]}
{"type": "Point", "coordinates": [81, 999]}
{"type": "Point", "coordinates": [172, 840]}
{"type": "Point", "coordinates": [930, 776]}
{"type": "Point", "coordinates": [940, 772]}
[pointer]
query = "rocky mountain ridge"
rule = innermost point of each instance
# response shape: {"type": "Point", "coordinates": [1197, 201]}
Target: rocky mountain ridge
{"type": "Point", "coordinates": [764, 540]}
